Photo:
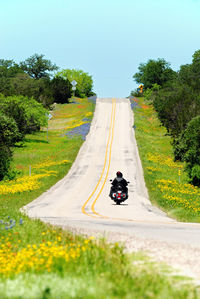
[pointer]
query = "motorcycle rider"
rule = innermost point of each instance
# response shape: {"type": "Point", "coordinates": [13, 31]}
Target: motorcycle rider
{"type": "Point", "coordinates": [116, 181]}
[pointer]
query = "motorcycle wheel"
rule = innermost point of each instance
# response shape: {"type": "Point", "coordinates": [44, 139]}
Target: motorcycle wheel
{"type": "Point", "coordinates": [118, 203]}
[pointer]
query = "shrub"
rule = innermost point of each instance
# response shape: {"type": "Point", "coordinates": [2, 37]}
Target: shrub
{"type": "Point", "coordinates": [8, 136]}
{"type": "Point", "coordinates": [28, 114]}
{"type": "Point", "coordinates": [84, 81]}
{"type": "Point", "coordinates": [61, 89]}
{"type": "Point", "coordinates": [150, 93]}
{"type": "Point", "coordinates": [176, 105]}
{"type": "Point", "coordinates": [136, 93]}
{"type": "Point", "coordinates": [8, 130]}
{"type": "Point", "coordinates": [178, 148]}
{"type": "Point", "coordinates": [191, 141]}
{"type": "Point", "coordinates": [5, 159]}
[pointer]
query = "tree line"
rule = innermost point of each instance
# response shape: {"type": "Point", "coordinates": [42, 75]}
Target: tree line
{"type": "Point", "coordinates": [27, 91]}
{"type": "Point", "coordinates": [33, 78]}
{"type": "Point", "coordinates": [175, 96]}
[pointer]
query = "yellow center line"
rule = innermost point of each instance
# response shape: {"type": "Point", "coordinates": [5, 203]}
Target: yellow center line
{"type": "Point", "coordinates": [110, 152]}
{"type": "Point", "coordinates": [111, 135]}
{"type": "Point", "coordinates": [84, 206]}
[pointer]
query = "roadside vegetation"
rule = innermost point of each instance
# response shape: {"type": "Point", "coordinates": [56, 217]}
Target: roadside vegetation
{"type": "Point", "coordinates": [176, 99]}
{"type": "Point", "coordinates": [167, 181]}
{"type": "Point", "coordinates": [27, 92]}
{"type": "Point", "coordinates": [38, 260]}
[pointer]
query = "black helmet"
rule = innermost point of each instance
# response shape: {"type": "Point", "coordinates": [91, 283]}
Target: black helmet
{"type": "Point", "coordinates": [119, 174]}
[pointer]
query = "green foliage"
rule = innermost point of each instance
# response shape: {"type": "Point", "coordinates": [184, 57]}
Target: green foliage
{"type": "Point", "coordinates": [14, 81]}
{"type": "Point", "coordinates": [28, 114]}
{"type": "Point", "coordinates": [8, 130]}
{"type": "Point", "coordinates": [8, 70]}
{"type": "Point", "coordinates": [61, 89]}
{"type": "Point", "coordinates": [154, 71]}
{"type": "Point", "coordinates": [5, 159]}
{"type": "Point", "coordinates": [32, 78]}
{"type": "Point", "coordinates": [84, 81]}
{"type": "Point", "coordinates": [150, 93]}
{"type": "Point", "coordinates": [37, 67]}
{"type": "Point", "coordinates": [18, 116]}
{"type": "Point", "coordinates": [191, 146]}
{"type": "Point", "coordinates": [8, 135]}
{"type": "Point", "coordinates": [136, 93]}
{"type": "Point", "coordinates": [176, 105]}
{"type": "Point", "coordinates": [40, 90]}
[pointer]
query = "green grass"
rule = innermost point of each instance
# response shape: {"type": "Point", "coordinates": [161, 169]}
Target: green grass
{"type": "Point", "coordinates": [166, 188]}
{"type": "Point", "coordinates": [41, 261]}
{"type": "Point", "coordinates": [39, 153]}
{"type": "Point", "coordinates": [102, 271]}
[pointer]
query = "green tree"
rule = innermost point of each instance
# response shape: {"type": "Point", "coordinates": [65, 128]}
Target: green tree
{"type": "Point", "coordinates": [28, 114]}
{"type": "Point", "coordinates": [40, 90]}
{"type": "Point", "coordinates": [176, 105]}
{"type": "Point", "coordinates": [37, 67]}
{"type": "Point", "coordinates": [150, 93]}
{"type": "Point", "coordinates": [8, 136]}
{"type": "Point", "coordinates": [190, 73]}
{"type": "Point", "coordinates": [154, 71]}
{"type": "Point", "coordinates": [84, 81]}
{"type": "Point", "coordinates": [8, 70]}
{"type": "Point", "coordinates": [191, 146]}
{"type": "Point", "coordinates": [61, 89]}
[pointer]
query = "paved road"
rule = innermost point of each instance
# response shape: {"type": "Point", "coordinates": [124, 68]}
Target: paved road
{"type": "Point", "coordinates": [81, 198]}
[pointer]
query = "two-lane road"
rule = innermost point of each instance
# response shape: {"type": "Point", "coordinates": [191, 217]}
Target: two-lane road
{"type": "Point", "coordinates": [81, 198]}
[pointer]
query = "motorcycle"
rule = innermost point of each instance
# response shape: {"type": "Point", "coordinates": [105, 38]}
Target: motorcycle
{"type": "Point", "coordinates": [118, 195]}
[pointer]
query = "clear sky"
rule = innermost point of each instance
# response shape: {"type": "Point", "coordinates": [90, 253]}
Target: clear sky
{"type": "Point", "coordinates": [106, 38]}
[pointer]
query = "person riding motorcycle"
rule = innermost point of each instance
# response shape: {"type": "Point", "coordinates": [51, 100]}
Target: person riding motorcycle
{"type": "Point", "coordinates": [116, 181]}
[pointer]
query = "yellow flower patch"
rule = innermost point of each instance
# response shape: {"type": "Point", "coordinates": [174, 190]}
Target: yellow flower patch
{"type": "Point", "coordinates": [89, 114]}
{"type": "Point", "coordinates": [163, 160]}
{"type": "Point", "coordinates": [150, 168]}
{"type": "Point", "coordinates": [49, 163]}
{"type": "Point", "coordinates": [180, 194]}
{"type": "Point", "coordinates": [36, 257]}
{"type": "Point", "coordinates": [26, 183]}
{"type": "Point", "coordinates": [76, 124]}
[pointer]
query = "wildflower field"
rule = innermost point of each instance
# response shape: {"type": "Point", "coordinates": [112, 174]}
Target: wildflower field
{"type": "Point", "coordinates": [41, 261]}
{"type": "Point", "coordinates": [167, 183]}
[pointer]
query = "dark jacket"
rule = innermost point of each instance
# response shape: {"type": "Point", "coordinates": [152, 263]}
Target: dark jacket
{"type": "Point", "coordinates": [117, 180]}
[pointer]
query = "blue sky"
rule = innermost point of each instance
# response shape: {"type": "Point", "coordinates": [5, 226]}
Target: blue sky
{"type": "Point", "coordinates": [106, 38]}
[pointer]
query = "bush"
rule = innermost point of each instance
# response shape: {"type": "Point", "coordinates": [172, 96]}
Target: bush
{"type": "Point", "coordinates": [150, 93]}
{"type": "Point", "coordinates": [178, 148]}
{"type": "Point", "coordinates": [28, 114]}
{"type": "Point", "coordinates": [8, 130]}
{"type": "Point", "coordinates": [5, 159]}
{"type": "Point", "coordinates": [136, 93]}
{"type": "Point", "coordinates": [195, 175]}
{"type": "Point", "coordinates": [84, 81]}
{"type": "Point", "coordinates": [191, 142]}
{"type": "Point", "coordinates": [176, 105]}
{"type": "Point", "coordinates": [8, 136]}
{"type": "Point", "coordinates": [61, 89]}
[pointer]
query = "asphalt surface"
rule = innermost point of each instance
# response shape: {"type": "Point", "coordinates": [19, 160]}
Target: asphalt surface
{"type": "Point", "coordinates": [81, 200]}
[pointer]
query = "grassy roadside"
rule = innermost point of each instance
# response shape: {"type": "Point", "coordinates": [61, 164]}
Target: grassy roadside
{"type": "Point", "coordinates": [166, 180]}
{"type": "Point", "coordinates": [42, 261]}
